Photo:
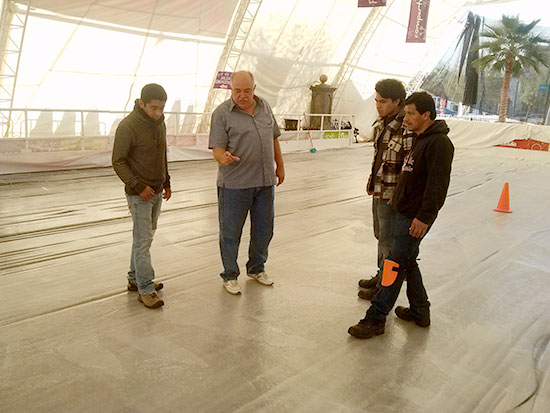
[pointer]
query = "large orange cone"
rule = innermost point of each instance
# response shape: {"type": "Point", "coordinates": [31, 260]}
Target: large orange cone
{"type": "Point", "coordinates": [504, 201]}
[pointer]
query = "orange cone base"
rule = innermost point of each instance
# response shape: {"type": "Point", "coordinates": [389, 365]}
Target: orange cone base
{"type": "Point", "coordinates": [502, 210]}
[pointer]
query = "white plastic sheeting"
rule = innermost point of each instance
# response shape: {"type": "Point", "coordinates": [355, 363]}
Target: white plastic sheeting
{"type": "Point", "coordinates": [84, 66]}
{"type": "Point", "coordinates": [98, 55]}
{"type": "Point", "coordinates": [74, 340]}
{"type": "Point", "coordinates": [464, 134]}
{"type": "Point", "coordinates": [78, 63]}
{"type": "Point", "coordinates": [471, 134]}
{"type": "Point", "coordinates": [73, 159]}
{"type": "Point", "coordinates": [194, 17]}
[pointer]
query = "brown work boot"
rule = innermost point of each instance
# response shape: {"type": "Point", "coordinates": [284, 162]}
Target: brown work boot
{"type": "Point", "coordinates": [370, 283]}
{"type": "Point", "coordinates": [150, 300]}
{"type": "Point", "coordinates": [404, 313]}
{"type": "Point", "coordinates": [133, 287]}
{"type": "Point", "coordinates": [367, 328]}
{"type": "Point", "coordinates": [368, 294]}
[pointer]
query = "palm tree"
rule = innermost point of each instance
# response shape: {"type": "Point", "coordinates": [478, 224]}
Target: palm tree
{"type": "Point", "coordinates": [513, 48]}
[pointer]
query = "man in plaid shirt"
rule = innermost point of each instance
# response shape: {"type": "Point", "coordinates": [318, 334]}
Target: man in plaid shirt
{"type": "Point", "coordinates": [391, 144]}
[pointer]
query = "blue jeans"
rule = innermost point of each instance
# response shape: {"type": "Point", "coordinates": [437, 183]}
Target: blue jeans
{"type": "Point", "coordinates": [145, 215]}
{"type": "Point", "coordinates": [233, 207]}
{"type": "Point", "coordinates": [404, 251]}
{"type": "Point", "coordinates": [382, 218]}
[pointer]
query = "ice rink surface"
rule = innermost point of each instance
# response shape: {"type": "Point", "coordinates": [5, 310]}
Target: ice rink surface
{"type": "Point", "coordinates": [73, 339]}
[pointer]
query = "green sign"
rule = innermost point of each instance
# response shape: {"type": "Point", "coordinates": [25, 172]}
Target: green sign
{"type": "Point", "coordinates": [343, 134]}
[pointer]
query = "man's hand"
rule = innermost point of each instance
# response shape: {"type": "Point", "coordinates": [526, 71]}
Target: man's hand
{"type": "Point", "coordinates": [369, 192]}
{"type": "Point", "coordinates": [224, 157]}
{"type": "Point", "coordinates": [147, 193]}
{"type": "Point", "coordinates": [227, 158]}
{"type": "Point", "coordinates": [368, 186]}
{"type": "Point", "coordinates": [167, 194]}
{"type": "Point", "coordinates": [418, 229]}
{"type": "Point", "coordinates": [280, 172]}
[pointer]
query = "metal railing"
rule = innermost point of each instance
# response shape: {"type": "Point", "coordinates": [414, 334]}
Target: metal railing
{"type": "Point", "coordinates": [46, 130]}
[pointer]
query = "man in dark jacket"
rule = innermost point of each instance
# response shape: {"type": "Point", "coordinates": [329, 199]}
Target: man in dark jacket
{"type": "Point", "coordinates": [419, 195]}
{"type": "Point", "coordinates": [139, 159]}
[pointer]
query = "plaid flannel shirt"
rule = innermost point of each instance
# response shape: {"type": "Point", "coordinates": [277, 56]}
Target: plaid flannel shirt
{"type": "Point", "coordinates": [397, 142]}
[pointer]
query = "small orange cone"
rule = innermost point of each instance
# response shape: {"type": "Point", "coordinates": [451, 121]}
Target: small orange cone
{"type": "Point", "coordinates": [504, 201]}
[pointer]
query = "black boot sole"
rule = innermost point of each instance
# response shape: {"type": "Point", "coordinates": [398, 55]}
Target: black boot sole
{"type": "Point", "coordinates": [358, 334]}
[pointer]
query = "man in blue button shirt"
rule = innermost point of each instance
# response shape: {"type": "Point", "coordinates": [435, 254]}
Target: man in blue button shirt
{"type": "Point", "coordinates": [244, 141]}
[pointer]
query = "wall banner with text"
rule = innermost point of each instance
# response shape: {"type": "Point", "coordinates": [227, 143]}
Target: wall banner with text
{"type": "Point", "coordinates": [418, 21]}
{"type": "Point", "coordinates": [372, 3]}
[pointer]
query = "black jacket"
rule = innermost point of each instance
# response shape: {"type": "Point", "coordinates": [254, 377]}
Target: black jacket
{"type": "Point", "coordinates": [425, 176]}
{"type": "Point", "coordinates": [139, 152]}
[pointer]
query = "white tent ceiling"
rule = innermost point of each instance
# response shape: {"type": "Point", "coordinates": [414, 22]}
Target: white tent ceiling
{"type": "Point", "coordinates": [69, 60]}
{"type": "Point", "coordinates": [194, 17]}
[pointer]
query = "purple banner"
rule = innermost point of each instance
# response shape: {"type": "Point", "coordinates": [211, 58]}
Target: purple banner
{"type": "Point", "coordinates": [372, 3]}
{"type": "Point", "coordinates": [223, 80]}
{"type": "Point", "coordinates": [418, 21]}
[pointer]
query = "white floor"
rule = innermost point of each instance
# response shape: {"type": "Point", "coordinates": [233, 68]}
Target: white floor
{"type": "Point", "coordinates": [72, 339]}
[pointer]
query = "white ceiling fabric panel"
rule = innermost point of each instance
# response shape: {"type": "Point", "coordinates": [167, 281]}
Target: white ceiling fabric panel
{"type": "Point", "coordinates": [70, 64]}
{"type": "Point", "coordinates": [306, 38]}
{"type": "Point", "coordinates": [88, 67]}
{"type": "Point", "coordinates": [210, 18]}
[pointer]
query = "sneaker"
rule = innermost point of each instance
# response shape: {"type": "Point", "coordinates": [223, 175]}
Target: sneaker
{"type": "Point", "coordinates": [150, 300]}
{"type": "Point", "coordinates": [368, 294]}
{"type": "Point", "coordinates": [232, 287]}
{"type": "Point", "coordinates": [133, 287]}
{"type": "Point", "coordinates": [373, 282]}
{"type": "Point", "coordinates": [262, 278]}
{"type": "Point", "coordinates": [367, 329]}
{"type": "Point", "coordinates": [404, 313]}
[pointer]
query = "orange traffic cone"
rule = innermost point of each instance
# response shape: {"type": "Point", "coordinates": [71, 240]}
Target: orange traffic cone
{"type": "Point", "coordinates": [504, 201]}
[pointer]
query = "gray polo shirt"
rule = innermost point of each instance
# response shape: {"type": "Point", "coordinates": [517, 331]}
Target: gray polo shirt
{"type": "Point", "coordinates": [248, 137]}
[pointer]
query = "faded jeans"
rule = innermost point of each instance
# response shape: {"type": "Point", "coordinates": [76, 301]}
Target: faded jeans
{"type": "Point", "coordinates": [382, 217]}
{"type": "Point", "coordinates": [145, 216]}
{"type": "Point", "coordinates": [233, 207]}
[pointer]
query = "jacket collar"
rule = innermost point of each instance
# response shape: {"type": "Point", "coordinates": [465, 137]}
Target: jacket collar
{"type": "Point", "coordinates": [395, 124]}
{"type": "Point", "coordinates": [438, 127]}
{"type": "Point", "coordinates": [144, 117]}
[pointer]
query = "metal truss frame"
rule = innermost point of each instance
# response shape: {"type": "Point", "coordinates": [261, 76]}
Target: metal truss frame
{"type": "Point", "coordinates": [357, 48]}
{"type": "Point", "coordinates": [12, 34]}
{"type": "Point", "coordinates": [242, 23]}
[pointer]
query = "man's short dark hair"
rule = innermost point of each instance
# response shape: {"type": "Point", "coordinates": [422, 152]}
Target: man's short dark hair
{"type": "Point", "coordinates": [153, 91]}
{"type": "Point", "coordinates": [423, 102]}
{"type": "Point", "coordinates": [391, 89]}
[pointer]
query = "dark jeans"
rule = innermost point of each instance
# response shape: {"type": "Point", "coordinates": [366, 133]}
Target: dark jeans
{"type": "Point", "coordinates": [404, 251]}
{"type": "Point", "coordinates": [233, 207]}
{"type": "Point", "coordinates": [382, 218]}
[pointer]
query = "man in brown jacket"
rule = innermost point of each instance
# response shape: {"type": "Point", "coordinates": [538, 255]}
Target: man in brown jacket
{"type": "Point", "coordinates": [139, 159]}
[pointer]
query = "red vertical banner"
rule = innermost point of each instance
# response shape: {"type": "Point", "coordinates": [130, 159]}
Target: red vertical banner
{"type": "Point", "coordinates": [418, 21]}
{"type": "Point", "coordinates": [371, 3]}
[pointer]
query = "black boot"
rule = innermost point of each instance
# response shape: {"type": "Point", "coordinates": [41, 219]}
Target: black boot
{"type": "Point", "coordinates": [368, 294]}
{"type": "Point", "coordinates": [367, 328]}
{"type": "Point", "coordinates": [405, 314]}
{"type": "Point", "coordinates": [369, 283]}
